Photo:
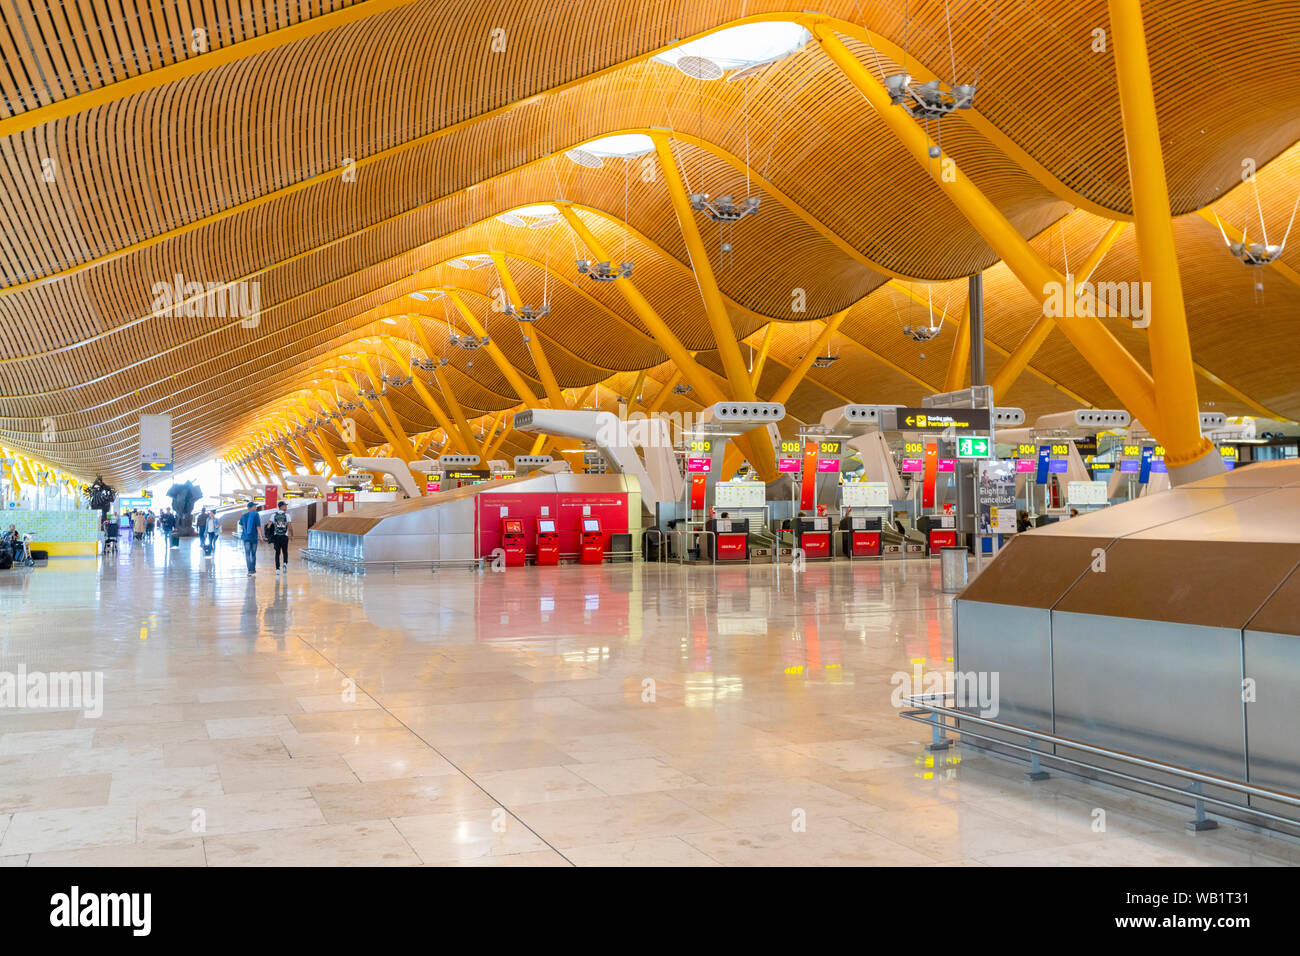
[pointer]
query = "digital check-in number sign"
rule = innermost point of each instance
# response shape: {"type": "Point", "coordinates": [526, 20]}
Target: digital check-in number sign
{"type": "Point", "coordinates": [790, 459]}
{"type": "Point", "coordinates": [828, 456]}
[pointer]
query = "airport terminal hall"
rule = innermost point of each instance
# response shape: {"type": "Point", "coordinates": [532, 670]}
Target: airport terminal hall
{"type": "Point", "coordinates": [699, 433]}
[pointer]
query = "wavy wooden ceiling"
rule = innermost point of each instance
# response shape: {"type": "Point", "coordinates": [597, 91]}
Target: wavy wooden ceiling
{"type": "Point", "coordinates": [234, 173]}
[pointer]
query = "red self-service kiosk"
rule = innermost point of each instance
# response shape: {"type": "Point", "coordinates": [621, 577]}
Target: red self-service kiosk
{"type": "Point", "coordinates": [512, 541]}
{"type": "Point", "coordinates": [548, 542]}
{"type": "Point", "coordinates": [592, 540]}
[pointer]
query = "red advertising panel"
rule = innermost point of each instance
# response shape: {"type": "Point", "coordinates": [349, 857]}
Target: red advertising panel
{"type": "Point", "coordinates": [809, 476]}
{"type": "Point", "coordinates": [931, 471]}
{"type": "Point", "coordinates": [271, 493]}
{"type": "Point", "coordinates": [699, 484]}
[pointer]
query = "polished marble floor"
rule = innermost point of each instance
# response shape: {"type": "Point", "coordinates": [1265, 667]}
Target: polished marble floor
{"type": "Point", "coordinates": [624, 715]}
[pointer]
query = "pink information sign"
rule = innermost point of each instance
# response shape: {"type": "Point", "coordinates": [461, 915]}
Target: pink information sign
{"type": "Point", "coordinates": [698, 466]}
{"type": "Point", "coordinates": [912, 464]}
{"type": "Point", "coordinates": [947, 464]}
{"type": "Point", "coordinates": [786, 465]}
{"type": "Point", "coordinates": [828, 464]}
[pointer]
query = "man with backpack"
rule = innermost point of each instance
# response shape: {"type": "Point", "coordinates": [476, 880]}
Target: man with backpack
{"type": "Point", "coordinates": [250, 523]}
{"type": "Point", "coordinates": [279, 531]}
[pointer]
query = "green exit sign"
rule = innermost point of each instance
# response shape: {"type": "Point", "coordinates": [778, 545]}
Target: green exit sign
{"type": "Point", "coordinates": [972, 447]}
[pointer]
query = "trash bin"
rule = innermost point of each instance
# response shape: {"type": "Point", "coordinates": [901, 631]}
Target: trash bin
{"type": "Point", "coordinates": [952, 568]}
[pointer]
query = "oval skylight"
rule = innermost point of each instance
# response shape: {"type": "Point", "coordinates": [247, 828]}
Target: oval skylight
{"type": "Point", "coordinates": [542, 214]}
{"type": "Point", "coordinates": [622, 146]}
{"type": "Point", "coordinates": [746, 45]}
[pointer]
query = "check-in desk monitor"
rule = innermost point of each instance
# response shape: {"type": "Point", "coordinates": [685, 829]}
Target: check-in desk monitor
{"type": "Point", "coordinates": [860, 536]}
{"type": "Point", "coordinates": [729, 540]}
{"type": "Point", "coordinates": [813, 535]}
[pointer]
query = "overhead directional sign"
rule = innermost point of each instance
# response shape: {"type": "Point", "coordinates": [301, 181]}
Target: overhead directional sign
{"type": "Point", "coordinates": [958, 420]}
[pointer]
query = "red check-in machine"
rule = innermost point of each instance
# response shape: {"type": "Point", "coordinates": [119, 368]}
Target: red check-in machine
{"type": "Point", "coordinates": [731, 536]}
{"type": "Point", "coordinates": [512, 541]}
{"type": "Point", "coordinates": [860, 537]}
{"type": "Point", "coordinates": [813, 534]}
{"type": "Point", "coordinates": [548, 543]}
{"type": "Point", "coordinates": [592, 540]}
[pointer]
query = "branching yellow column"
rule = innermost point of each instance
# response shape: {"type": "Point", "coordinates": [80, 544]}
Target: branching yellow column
{"type": "Point", "coordinates": [375, 415]}
{"type": "Point", "coordinates": [510, 373]}
{"type": "Point", "coordinates": [553, 394]}
{"type": "Point", "coordinates": [756, 446]}
{"type": "Point", "coordinates": [1042, 327]}
{"type": "Point", "coordinates": [796, 375]}
{"type": "Point", "coordinates": [402, 447]}
{"type": "Point", "coordinates": [724, 334]}
{"type": "Point", "coordinates": [425, 395]}
{"type": "Point", "coordinates": [469, 442]}
{"type": "Point", "coordinates": [1167, 335]}
{"type": "Point", "coordinates": [1128, 379]}
{"type": "Point", "coordinates": [698, 378]}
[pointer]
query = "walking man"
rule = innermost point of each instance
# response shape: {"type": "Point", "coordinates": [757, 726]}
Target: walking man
{"type": "Point", "coordinates": [281, 532]}
{"type": "Point", "coordinates": [250, 526]}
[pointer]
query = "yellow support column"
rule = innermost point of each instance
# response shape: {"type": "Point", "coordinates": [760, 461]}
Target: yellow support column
{"type": "Point", "coordinates": [327, 453]}
{"type": "Point", "coordinates": [664, 392]}
{"type": "Point", "coordinates": [762, 356]}
{"type": "Point", "coordinates": [1167, 336]}
{"type": "Point", "coordinates": [1128, 379]}
{"type": "Point", "coordinates": [959, 360]}
{"type": "Point", "coordinates": [634, 399]}
{"type": "Point", "coordinates": [724, 334]}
